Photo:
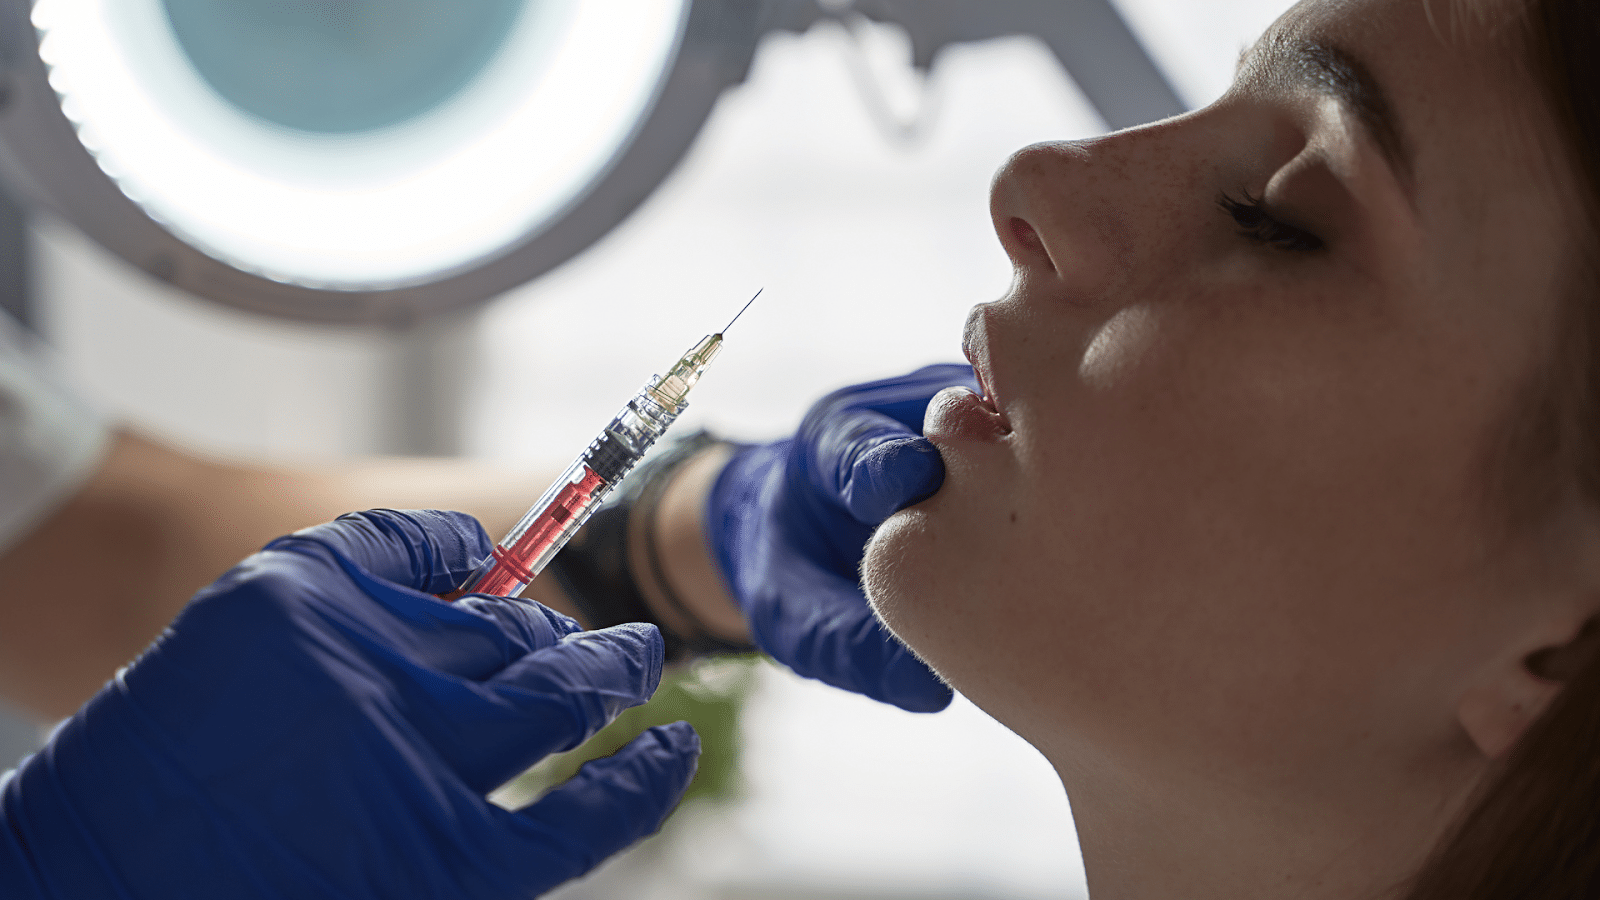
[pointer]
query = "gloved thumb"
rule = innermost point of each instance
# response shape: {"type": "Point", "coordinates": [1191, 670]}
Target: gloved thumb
{"type": "Point", "coordinates": [427, 550]}
{"type": "Point", "coordinates": [891, 476]}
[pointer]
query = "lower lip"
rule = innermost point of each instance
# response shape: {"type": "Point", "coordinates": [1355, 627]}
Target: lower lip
{"type": "Point", "coordinates": [957, 413]}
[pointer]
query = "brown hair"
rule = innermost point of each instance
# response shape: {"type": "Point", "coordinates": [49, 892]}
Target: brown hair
{"type": "Point", "coordinates": [1533, 831]}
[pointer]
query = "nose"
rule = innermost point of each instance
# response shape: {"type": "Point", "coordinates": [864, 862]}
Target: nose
{"type": "Point", "coordinates": [1058, 210]}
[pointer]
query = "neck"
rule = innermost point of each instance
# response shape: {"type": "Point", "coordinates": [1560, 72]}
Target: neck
{"type": "Point", "coordinates": [1202, 836]}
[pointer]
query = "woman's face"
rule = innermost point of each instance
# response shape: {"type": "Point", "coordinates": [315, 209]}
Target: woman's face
{"type": "Point", "coordinates": [1230, 496]}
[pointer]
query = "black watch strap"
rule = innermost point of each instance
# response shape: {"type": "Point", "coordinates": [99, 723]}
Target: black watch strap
{"type": "Point", "coordinates": [594, 570]}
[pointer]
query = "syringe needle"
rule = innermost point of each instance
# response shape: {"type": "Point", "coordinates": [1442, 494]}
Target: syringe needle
{"type": "Point", "coordinates": [546, 528]}
{"type": "Point", "coordinates": [741, 312]}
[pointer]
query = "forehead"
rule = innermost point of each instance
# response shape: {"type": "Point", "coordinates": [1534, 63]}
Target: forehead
{"type": "Point", "coordinates": [1446, 69]}
{"type": "Point", "coordinates": [1447, 63]}
{"type": "Point", "coordinates": [1494, 187]}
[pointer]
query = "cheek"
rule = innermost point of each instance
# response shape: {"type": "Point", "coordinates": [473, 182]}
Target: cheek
{"type": "Point", "coordinates": [1201, 526]}
{"type": "Point", "coordinates": [1118, 349]}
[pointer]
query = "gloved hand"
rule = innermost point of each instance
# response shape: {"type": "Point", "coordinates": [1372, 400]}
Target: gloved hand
{"type": "Point", "coordinates": [317, 725]}
{"type": "Point", "coordinates": [789, 522]}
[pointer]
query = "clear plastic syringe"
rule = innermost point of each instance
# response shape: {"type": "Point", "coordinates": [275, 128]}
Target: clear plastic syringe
{"type": "Point", "coordinates": [530, 545]}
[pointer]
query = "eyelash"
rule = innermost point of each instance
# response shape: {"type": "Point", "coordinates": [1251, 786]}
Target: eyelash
{"type": "Point", "coordinates": [1259, 226]}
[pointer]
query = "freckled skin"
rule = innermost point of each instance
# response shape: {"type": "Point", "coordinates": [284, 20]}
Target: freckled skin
{"type": "Point", "coordinates": [1250, 568]}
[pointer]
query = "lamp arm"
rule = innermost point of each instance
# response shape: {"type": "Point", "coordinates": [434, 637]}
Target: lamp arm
{"type": "Point", "coordinates": [1089, 37]}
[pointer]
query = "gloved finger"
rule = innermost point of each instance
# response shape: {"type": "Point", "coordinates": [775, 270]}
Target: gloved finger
{"type": "Point", "coordinates": [832, 635]}
{"type": "Point", "coordinates": [472, 639]}
{"type": "Point", "coordinates": [258, 618]}
{"type": "Point", "coordinates": [409, 630]}
{"type": "Point", "coordinates": [532, 626]}
{"type": "Point", "coordinates": [826, 451]}
{"type": "Point", "coordinates": [548, 702]}
{"type": "Point", "coordinates": [889, 476]}
{"type": "Point", "coordinates": [431, 551]}
{"type": "Point", "coordinates": [609, 804]}
{"type": "Point", "coordinates": [863, 447]}
{"type": "Point", "coordinates": [903, 398]}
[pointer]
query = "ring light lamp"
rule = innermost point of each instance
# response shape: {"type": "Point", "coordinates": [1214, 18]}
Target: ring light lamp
{"type": "Point", "coordinates": [384, 161]}
{"type": "Point", "coordinates": [365, 206]}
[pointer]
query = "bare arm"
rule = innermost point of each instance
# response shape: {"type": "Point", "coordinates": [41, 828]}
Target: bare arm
{"type": "Point", "coordinates": [686, 560]}
{"type": "Point", "coordinates": [96, 582]}
{"type": "Point", "coordinates": [90, 587]}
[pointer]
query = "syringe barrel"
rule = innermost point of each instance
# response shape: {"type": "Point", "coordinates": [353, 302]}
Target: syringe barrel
{"type": "Point", "coordinates": [530, 545]}
{"type": "Point", "coordinates": [630, 433]}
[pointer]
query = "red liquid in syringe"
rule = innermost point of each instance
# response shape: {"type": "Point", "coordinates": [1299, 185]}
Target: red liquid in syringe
{"type": "Point", "coordinates": [513, 565]}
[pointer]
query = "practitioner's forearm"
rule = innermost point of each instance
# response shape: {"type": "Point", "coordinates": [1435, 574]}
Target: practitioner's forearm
{"type": "Point", "coordinates": [97, 581]}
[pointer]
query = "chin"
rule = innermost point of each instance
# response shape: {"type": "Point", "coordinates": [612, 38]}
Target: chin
{"type": "Point", "coordinates": [920, 582]}
{"type": "Point", "coordinates": [890, 566]}
{"type": "Point", "coordinates": [902, 571]}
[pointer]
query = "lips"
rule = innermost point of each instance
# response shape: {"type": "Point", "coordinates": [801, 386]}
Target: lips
{"type": "Point", "coordinates": [957, 414]}
{"type": "Point", "coordinates": [975, 344]}
{"type": "Point", "coordinates": [986, 394]}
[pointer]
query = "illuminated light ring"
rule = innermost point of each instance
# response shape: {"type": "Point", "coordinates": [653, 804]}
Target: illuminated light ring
{"type": "Point", "coordinates": [403, 206]}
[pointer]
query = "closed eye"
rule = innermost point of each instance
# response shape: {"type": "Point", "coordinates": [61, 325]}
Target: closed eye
{"type": "Point", "coordinates": [1261, 227]}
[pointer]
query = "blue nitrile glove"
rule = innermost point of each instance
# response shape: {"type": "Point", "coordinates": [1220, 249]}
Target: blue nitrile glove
{"type": "Point", "coordinates": [789, 522]}
{"type": "Point", "coordinates": [317, 725]}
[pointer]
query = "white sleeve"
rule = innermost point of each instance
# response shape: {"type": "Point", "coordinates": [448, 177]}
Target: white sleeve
{"type": "Point", "coordinates": [51, 439]}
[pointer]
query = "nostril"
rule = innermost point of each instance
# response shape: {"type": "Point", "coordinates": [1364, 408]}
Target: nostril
{"type": "Point", "coordinates": [1029, 238]}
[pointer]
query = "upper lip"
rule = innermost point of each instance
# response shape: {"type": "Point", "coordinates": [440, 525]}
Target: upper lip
{"type": "Point", "coordinates": [975, 345]}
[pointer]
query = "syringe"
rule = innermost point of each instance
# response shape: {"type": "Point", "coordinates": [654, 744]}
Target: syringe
{"type": "Point", "coordinates": [530, 545]}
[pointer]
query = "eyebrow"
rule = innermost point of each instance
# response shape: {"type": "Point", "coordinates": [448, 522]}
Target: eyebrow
{"type": "Point", "coordinates": [1342, 75]}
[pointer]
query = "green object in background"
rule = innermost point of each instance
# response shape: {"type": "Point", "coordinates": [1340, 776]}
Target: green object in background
{"type": "Point", "coordinates": [709, 694]}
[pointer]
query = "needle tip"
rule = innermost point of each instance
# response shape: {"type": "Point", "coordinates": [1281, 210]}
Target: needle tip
{"type": "Point", "coordinates": [741, 311]}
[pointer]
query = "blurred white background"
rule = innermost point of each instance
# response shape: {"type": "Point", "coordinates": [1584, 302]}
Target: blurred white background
{"type": "Point", "coordinates": [870, 255]}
